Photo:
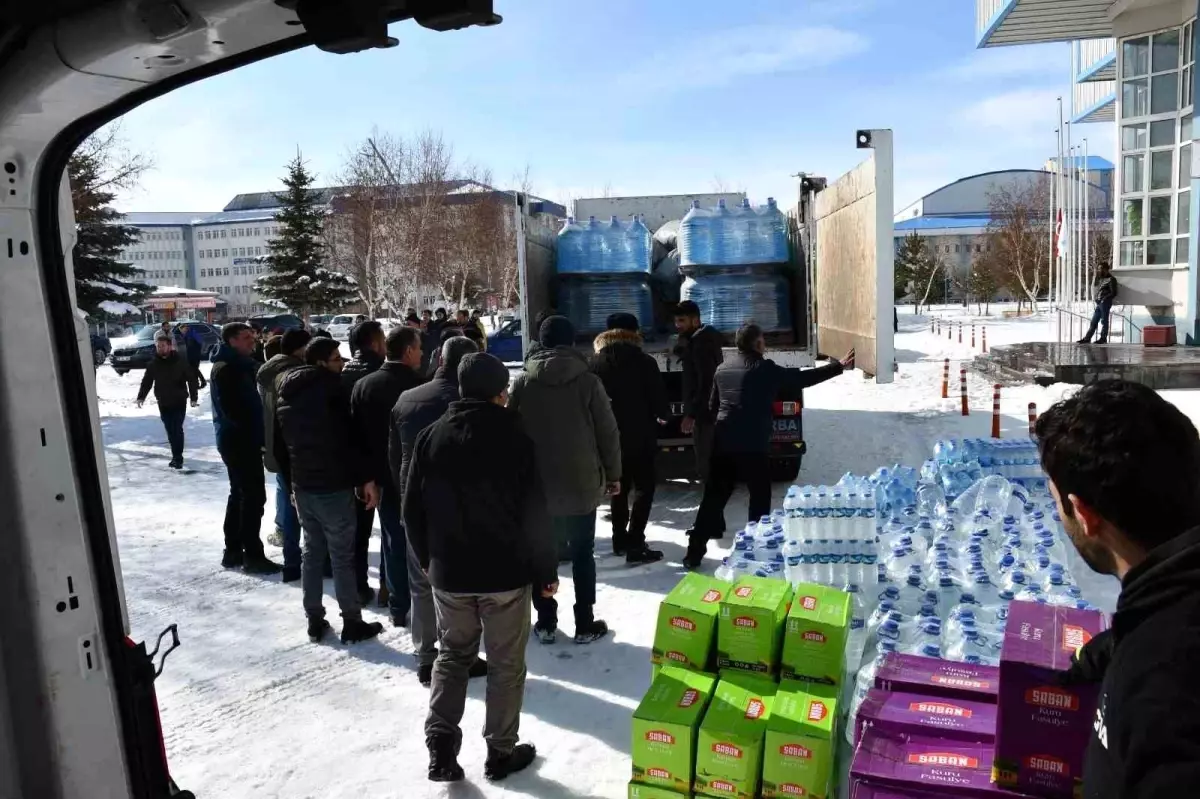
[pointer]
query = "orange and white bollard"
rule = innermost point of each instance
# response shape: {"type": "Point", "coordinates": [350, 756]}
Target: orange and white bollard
{"type": "Point", "coordinates": [932, 325]}
{"type": "Point", "coordinates": [972, 335]}
{"type": "Point", "coordinates": [946, 379]}
{"type": "Point", "coordinates": [996, 411]}
{"type": "Point", "coordinates": [1033, 414]}
{"type": "Point", "coordinates": [950, 332]}
{"type": "Point", "coordinates": [960, 332]}
{"type": "Point", "coordinates": [985, 338]}
{"type": "Point", "coordinates": [962, 381]}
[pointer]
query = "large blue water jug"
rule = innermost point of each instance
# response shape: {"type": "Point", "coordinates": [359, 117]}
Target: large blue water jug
{"type": "Point", "coordinates": [593, 244]}
{"type": "Point", "coordinates": [588, 301]}
{"type": "Point", "coordinates": [728, 301]}
{"type": "Point", "coordinates": [570, 247]}
{"type": "Point", "coordinates": [640, 246]}
{"type": "Point", "coordinates": [694, 237]}
{"type": "Point", "coordinates": [722, 235]}
{"type": "Point", "coordinates": [615, 258]}
{"type": "Point", "coordinates": [774, 227]}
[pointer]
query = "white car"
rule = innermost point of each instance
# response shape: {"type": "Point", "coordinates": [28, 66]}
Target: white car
{"type": "Point", "coordinates": [339, 326]}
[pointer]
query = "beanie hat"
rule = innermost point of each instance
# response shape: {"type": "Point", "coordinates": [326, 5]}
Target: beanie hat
{"type": "Point", "coordinates": [622, 321]}
{"type": "Point", "coordinates": [556, 331]}
{"type": "Point", "coordinates": [481, 376]}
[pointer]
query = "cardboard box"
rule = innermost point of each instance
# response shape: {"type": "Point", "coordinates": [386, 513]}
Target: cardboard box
{"type": "Point", "coordinates": [637, 791]}
{"type": "Point", "coordinates": [1043, 728]}
{"type": "Point", "coordinates": [913, 714]}
{"type": "Point", "coordinates": [923, 763]}
{"type": "Point", "coordinates": [729, 752]}
{"type": "Point", "coordinates": [801, 741]}
{"type": "Point", "coordinates": [814, 636]}
{"type": "Point", "coordinates": [932, 677]}
{"type": "Point", "coordinates": [751, 625]}
{"type": "Point", "coordinates": [664, 728]}
{"type": "Point", "coordinates": [687, 622]}
{"type": "Point", "coordinates": [865, 790]}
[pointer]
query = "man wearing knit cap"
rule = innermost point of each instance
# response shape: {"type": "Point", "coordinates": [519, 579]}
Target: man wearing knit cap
{"type": "Point", "coordinates": [483, 536]}
{"type": "Point", "coordinates": [568, 415]}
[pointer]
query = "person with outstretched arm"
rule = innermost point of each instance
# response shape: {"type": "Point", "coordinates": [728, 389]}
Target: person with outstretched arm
{"type": "Point", "coordinates": [742, 400]}
{"type": "Point", "coordinates": [1124, 469]}
{"type": "Point", "coordinates": [174, 383]}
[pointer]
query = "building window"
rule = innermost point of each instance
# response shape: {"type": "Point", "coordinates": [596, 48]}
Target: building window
{"type": "Point", "coordinates": [1157, 75]}
{"type": "Point", "coordinates": [257, 232]}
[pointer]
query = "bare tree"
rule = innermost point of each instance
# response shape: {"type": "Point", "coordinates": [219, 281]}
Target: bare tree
{"type": "Point", "coordinates": [1019, 237]}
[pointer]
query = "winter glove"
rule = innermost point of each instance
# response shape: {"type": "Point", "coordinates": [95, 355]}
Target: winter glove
{"type": "Point", "coordinates": [1090, 662]}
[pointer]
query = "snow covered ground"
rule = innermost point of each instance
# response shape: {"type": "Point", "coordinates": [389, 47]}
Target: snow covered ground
{"type": "Point", "coordinates": [252, 709]}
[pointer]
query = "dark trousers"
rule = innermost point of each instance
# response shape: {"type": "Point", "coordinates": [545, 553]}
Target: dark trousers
{"type": "Point", "coordinates": [172, 419]}
{"type": "Point", "coordinates": [393, 560]}
{"type": "Point", "coordinates": [364, 521]}
{"type": "Point", "coordinates": [287, 521]}
{"type": "Point", "coordinates": [580, 534]}
{"type": "Point", "coordinates": [637, 489]}
{"type": "Point", "coordinates": [247, 498]}
{"type": "Point", "coordinates": [702, 443]}
{"type": "Point", "coordinates": [1099, 318]}
{"type": "Point", "coordinates": [726, 471]}
{"type": "Point", "coordinates": [200, 381]}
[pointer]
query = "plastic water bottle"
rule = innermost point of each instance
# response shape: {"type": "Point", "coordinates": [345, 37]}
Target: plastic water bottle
{"type": "Point", "coordinates": [856, 638]}
{"type": "Point", "coordinates": [864, 683]}
{"type": "Point", "coordinates": [695, 237]}
{"type": "Point", "coordinates": [774, 227]}
{"type": "Point", "coordinates": [899, 562]}
{"type": "Point", "coordinates": [793, 558]}
{"type": "Point", "coordinates": [570, 248]}
{"type": "Point", "coordinates": [791, 509]}
{"type": "Point", "coordinates": [639, 245]}
{"type": "Point", "coordinates": [912, 593]}
{"type": "Point", "coordinates": [975, 648]}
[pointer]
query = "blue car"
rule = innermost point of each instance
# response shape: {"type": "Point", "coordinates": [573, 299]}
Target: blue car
{"type": "Point", "coordinates": [505, 343]}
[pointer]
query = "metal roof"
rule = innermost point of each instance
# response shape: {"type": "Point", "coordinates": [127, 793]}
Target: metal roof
{"type": "Point", "coordinates": [253, 215]}
{"type": "Point", "coordinates": [959, 224]}
{"type": "Point", "coordinates": [1103, 111]}
{"type": "Point", "coordinates": [1009, 22]}
{"type": "Point", "coordinates": [160, 218]}
{"type": "Point", "coordinates": [270, 199]}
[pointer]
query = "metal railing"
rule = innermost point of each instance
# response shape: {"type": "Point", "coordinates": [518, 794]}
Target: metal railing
{"type": "Point", "coordinates": [1073, 323]}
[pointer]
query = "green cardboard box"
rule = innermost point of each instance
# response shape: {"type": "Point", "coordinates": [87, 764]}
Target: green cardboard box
{"type": "Point", "coordinates": [729, 749]}
{"type": "Point", "coordinates": [687, 622]}
{"type": "Point", "coordinates": [637, 791]}
{"type": "Point", "coordinates": [801, 741]}
{"type": "Point", "coordinates": [814, 638]}
{"type": "Point", "coordinates": [664, 728]}
{"type": "Point", "coordinates": [751, 625]}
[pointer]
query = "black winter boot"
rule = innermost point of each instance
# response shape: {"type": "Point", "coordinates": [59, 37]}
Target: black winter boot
{"type": "Point", "coordinates": [232, 559]}
{"type": "Point", "coordinates": [498, 766]}
{"type": "Point", "coordinates": [317, 629]}
{"type": "Point", "coordinates": [356, 630]}
{"type": "Point", "coordinates": [443, 760]}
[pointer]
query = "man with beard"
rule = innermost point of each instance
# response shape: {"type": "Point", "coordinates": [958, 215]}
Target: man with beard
{"type": "Point", "coordinates": [1124, 468]}
{"type": "Point", "coordinates": [699, 350]}
{"type": "Point", "coordinates": [368, 344]}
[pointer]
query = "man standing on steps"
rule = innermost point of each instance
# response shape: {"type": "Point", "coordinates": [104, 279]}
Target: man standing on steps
{"type": "Point", "coordinates": [635, 386]}
{"type": "Point", "coordinates": [569, 417]}
{"type": "Point", "coordinates": [238, 418]}
{"type": "Point", "coordinates": [414, 411]}
{"type": "Point", "coordinates": [483, 535]}
{"type": "Point", "coordinates": [371, 405]}
{"type": "Point", "coordinates": [744, 393]}
{"type": "Point", "coordinates": [367, 343]}
{"type": "Point", "coordinates": [291, 356]}
{"type": "Point", "coordinates": [1106, 293]}
{"type": "Point", "coordinates": [699, 351]}
{"type": "Point", "coordinates": [321, 462]}
{"type": "Point", "coordinates": [174, 384]}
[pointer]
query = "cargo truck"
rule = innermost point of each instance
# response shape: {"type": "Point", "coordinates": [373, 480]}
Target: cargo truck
{"type": "Point", "coordinates": [537, 283]}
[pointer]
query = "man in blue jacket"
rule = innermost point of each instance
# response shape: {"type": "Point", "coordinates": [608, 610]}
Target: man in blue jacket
{"type": "Point", "coordinates": [238, 418]}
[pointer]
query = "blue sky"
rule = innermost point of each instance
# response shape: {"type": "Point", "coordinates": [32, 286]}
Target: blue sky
{"type": "Point", "coordinates": [650, 97]}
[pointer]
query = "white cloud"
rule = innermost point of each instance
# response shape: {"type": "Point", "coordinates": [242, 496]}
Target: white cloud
{"type": "Point", "coordinates": [1006, 63]}
{"type": "Point", "coordinates": [1015, 118]}
{"type": "Point", "coordinates": [723, 58]}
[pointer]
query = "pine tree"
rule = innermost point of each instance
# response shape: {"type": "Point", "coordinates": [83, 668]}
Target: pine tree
{"type": "Point", "coordinates": [296, 275]}
{"type": "Point", "coordinates": [921, 265]}
{"type": "Point", "coordinates": [100, 275]}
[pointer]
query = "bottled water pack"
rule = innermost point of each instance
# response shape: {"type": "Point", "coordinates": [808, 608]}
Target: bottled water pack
{"type": "Point", "coordinates": [740, 236]}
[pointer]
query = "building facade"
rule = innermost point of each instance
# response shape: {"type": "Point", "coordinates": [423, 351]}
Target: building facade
{"type": "Point", "coordinates": [1133, 65]}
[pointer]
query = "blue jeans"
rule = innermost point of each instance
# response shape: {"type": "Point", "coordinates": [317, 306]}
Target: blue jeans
{"type": "Point", "coordinates": [394, 550]}
{"type": "Point", "coordinates": [579, 533]}
{"type": "Point", "coordinates": [287, 522]}
{"type": "Point", "coordinates": [1099, 318]}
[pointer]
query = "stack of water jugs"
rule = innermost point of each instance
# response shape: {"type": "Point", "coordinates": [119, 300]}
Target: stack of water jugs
{"type": "Point", "coordinates": [927, 576]}
{"type": "Point", "coordinates": [604, 269]}
{"type": "Point", "coordinates": [734, 265]}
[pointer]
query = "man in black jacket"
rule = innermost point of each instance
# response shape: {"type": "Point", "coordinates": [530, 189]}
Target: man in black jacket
{"type": "Point", "coordinates": [1106, 293]}
{"type": "Point", "coordinates": [321, 461]}
{"type": "Point", "coordinates": [743, 396]}
{"type": "Point", "coordinates": [192, 344]}
{"type": "Point", "coordinates": [414, 411]}
{"type": "Point", "coordinates": [367, 342]}
{"type": "Point", "coordinates": [699, 351]}
{"type": "Point", "coordinates": [174, 383]}
{"type": "Point", "coordinates": [371, 404]}
{"type": "Point", "coordinates": [483, 535]}
{"type": "Point", "coordinates": [639, 402]}
{"type": "Point", "coordinates": [1124, 468]}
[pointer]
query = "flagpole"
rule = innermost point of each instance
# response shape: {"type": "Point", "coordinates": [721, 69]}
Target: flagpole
{"type": "Point", "coordinates": [1058, 260]}
{"type": "Point", "coordinates": [1050, 254]}
{"type": "Point", "coordinates": [1089, 277]}
{"type": "Point", "coordinates": [1068, 249]}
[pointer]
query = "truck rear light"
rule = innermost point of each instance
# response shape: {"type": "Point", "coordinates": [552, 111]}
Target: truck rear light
{"type": "Point", "coordinates": [787, 408]}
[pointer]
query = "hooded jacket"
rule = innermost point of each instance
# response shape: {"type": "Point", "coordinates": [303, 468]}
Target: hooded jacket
{"type": "Point", "coordinates": [569, 417]}
{"type": "Point", "coordinates": [268, 388]}
{"type": "Point", "coordinates": [237, 406]}
{"type": "Point", "coordinates": [173, 379]}
{"type": "Point", "coordinates": [477, 528]}
{"type": "Point", "coordinates": [371, 404]}
{"type": "Point", "coordinates": [415, 410]}
{"type": "Point", "coordinates": [1146, 733]}
{"type": "Point", "coordinates": [320, 452]}
{"type": "Point", "coordinates": [700, 354]}
{"type": "Point", "coordinates": [635, 386]}
{"type": "Point", "coordinates": [362, 364]}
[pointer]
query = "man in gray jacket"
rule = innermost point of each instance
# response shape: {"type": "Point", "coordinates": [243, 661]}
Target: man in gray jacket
{"type": "Point", "coordinates": [568, 415]}
{"type": "Point", "coordinates": [291, 356]}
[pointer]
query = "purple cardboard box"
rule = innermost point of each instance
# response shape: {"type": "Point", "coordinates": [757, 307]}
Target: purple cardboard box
{"type": "Point", "coordinates": [925, 764]}
{"type": "Point", "coordinates": [1043, 728]}
{"type": "Point", "coordinates": [932, 677]}
{"type": "Point", "coordinates": [913, 714]}
{"type": "Point", "coordinates": [865, 790]}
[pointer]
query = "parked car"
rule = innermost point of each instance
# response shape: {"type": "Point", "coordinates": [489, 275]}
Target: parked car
{"type": "Point", "coordinates": [339, 326]}
{"type": "Point", "coordinates": [283, 321]}
{"type": "Point", "coordinates": [137, 355]}
{"type": "Point", "coordinates": [319, 321]}
{"type": "Point", "coordinates": [101, 347]}
{"type": "Point", "coordinates": [505, 343]}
